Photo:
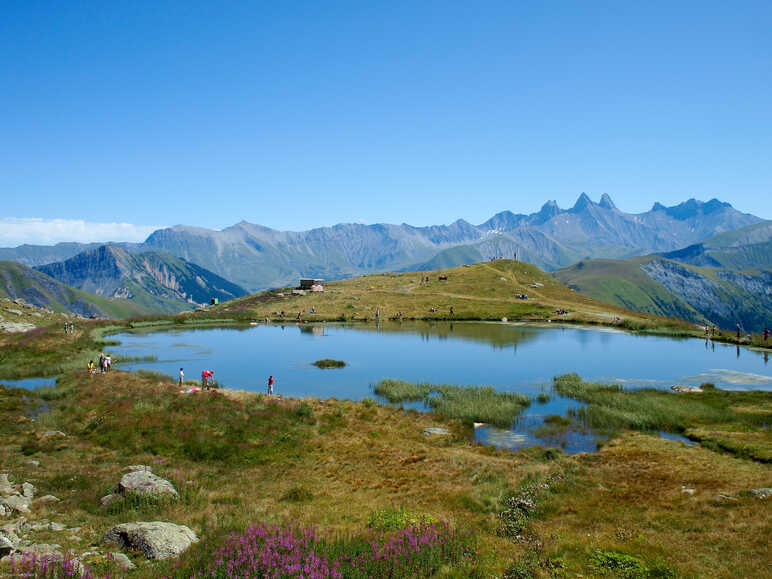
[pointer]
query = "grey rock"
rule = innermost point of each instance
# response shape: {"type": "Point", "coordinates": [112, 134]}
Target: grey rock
{"type": "Point", "coordinates": [28, 490]}
{"type": "Point", "coordinates": [47, 499]}
{"type": "Point", "coordinates": [52, 434]}
{"type": "Point", "coordinates": [54, 526]}
{"type": "Point", "coordinates": [17, 526]}
{"type": "Point", "coordinates": [41, 549]}
{"type": "Point", "coordinates": [3, 511]}
{"type": "Point", "coordinates": [436, 431]}
{"type": "Point", "coordinates": [17, 503]}
{"type": "Point", "coordinates": [108, 500]}
{"type": "Point", "coordinates": [688, 490]}
{"type": "Point", "coordinates": [8, 542]}
{"type": "Point", "coordinates": [6, 488]}
{"type": "Point", "coordinates": [155, 540]}
{"type": "Point", "coordinates": [146, 483]}
{"type": "Point", "coordinates": [723, 497]}
{"type": "Point", "coordinates": [33, 462]}
{"type": "Point", "coordinates": [762, 493]}
{"type": "Point", "coordinates": [122, 561]}
{"type": "Point", "coordinates": [684, 389]}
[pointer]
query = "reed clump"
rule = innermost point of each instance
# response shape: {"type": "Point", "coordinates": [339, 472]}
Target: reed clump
{"type": "Point", "coordinates": [468, 403]}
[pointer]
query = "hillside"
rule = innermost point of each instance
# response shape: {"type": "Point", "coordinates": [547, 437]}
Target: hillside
{"type": "Point", "coordinates": [19, 282]}
{"type": "Point", "coordinates": [748, 247]}
{"type": "Point", "coordinates": [153, 282]}
{"type": "Point", "coordinates": [666, 287]}
{"type": "Point", "coordinates": [481, 291]}
{"type": "Point", "coordinates": [258, 257]}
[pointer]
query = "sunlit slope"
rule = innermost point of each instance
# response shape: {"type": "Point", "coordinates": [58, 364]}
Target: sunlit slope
{"type": "Point", "coordinates": [481, 291]}
{"type": "Point", "coordinates": [668, 288]}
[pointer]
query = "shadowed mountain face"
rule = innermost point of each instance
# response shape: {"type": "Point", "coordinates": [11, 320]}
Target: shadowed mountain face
{"type": "Point", "coordinates": [257, 257]}
{"type": "Point", "coordinates": [17, 281]}
{"type": "Point", "coordinates": [725, 280]}
{"type": "Point", "coordinates": [153, 281]}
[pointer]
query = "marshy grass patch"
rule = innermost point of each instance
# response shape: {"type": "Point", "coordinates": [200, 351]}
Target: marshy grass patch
{"type": "Point", "coordinates": [467, 403]}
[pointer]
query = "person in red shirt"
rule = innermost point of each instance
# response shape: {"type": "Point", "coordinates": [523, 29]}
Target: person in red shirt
{"type": "Point", "coordinates": [270, 384]}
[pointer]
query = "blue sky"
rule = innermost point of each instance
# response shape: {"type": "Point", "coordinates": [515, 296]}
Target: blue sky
{"type": "Point", "coordinates": [302, 114]}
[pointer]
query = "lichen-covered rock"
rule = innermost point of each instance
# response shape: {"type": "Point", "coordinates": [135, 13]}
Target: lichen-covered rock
{"type": "Point", "coordinates": [28, 490]}
{"type": "Point", "coordinates": [47, 499]}
{"type": "Point", "coordinates": [6, 488]}
{"type": "Point", "coordinates": [146, 483]}
{"type": "Point", "coordinates": [155, 540]}
{"type": "Point", "coordinates": [17, 503]}
{"type": "Point", "coordinates": [108, 500]}
{"type": "Point", "coordinates": [122, 561]}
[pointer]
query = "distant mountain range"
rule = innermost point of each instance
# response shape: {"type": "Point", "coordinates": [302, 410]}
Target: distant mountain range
{"type": "Point", "coordinates": [257, 257]}
{"type": "Point", "coordinates": [723, 280]}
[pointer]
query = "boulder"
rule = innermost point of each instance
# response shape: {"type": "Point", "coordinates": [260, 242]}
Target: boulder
{"type": "Point", "coordinates": [146, 483]}
{"type": "Point", "coordinates": [6, 488]}
{"type": "Point", "coordinates": [16, 503]}
{"type": "Point", "coordinates": [8, 542]}
{"type": "Point", "coordinates": [436, 431]}
{"type": "Point", "coordinates": [52, 434]}
{"type": "Point", "coordinates": [122, 561]}
{"type": "Point", "coordinates": [28, 490]}
{"type": "Point", "coordinates": [762, 493]}
{"type": "Point", "coordinates": [47, 499]}
{"type": "Point", "coordinates": [155, 540]}
{"type": "Point", "coordinates": [682, 388]}
{"type": "Point", "coordinates": [108, 500]}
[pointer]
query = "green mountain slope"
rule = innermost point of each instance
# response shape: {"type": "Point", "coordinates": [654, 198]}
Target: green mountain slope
{"type": "Point", "coordinates": [154, 282]}
{"type": "Point", "coordinates": [666, 287]}
{"type": "Point", "coordinates": [18, 281]}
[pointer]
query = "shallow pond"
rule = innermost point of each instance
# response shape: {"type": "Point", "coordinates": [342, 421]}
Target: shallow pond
{"type": "Point", "coordinates": [522, 358]}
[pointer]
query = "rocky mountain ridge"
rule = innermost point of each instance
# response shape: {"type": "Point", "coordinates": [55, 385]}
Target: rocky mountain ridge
{"type": "Point", "coordinates": [258, 257]}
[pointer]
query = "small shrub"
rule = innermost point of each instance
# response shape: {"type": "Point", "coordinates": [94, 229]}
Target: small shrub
{"type": "Point", "coordinates": [395, 518]}
{"type": "Point", "coordinates": [543, 397]}
{"type": "Point", "coordinates": [297, 495]}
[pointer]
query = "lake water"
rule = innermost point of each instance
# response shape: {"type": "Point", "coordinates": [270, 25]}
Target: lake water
{"type": "Point", "coordinates": [521, 358]}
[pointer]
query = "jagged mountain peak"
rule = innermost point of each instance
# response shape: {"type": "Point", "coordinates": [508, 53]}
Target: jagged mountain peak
{"type": "Point", "coordinates": [606, 202]}
{"type": "Point", "coordinates": [583, 203]}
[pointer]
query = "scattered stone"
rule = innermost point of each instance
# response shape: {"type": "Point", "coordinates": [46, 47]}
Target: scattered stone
{"type": "Point", "coordinates": [8, 542]}
{"type": "Point", "coordinates": [108, 500]}
{"type": "Point", "coordinates": [155, 540]}
{"type": "Point", "coordinates": [17, 526]}
{"type": "Point", "coordinates": [47, 499]}
{"type": "Point", "coordinates": [688, 491]}
{"type": "Point", "coordinates": [6, 488]}
{"type": "Point", "coordinates": [52, 434]}
{"type": "Point", "coordinates": [33, 462]}
{"type": "Point", "coordinates": [28, 490]}
{"type": "Point", "coordinates": [74, 529]}
{"type": "Point", "coordinates": [122, 561]}
{"type": "Point", "coordinates": [436, 431]}
{"type": "Point", "coordinates": [723, 497]}
{"type": "Point", "coordinates": [682, 388]}
{"type": "Point", "coordinates": [41, 549]}
{"type": "Point", "coordinates": [17, 503]}
{"type": "Point", "coordinates": [3, 511]}
{"type": "Point", "coordinates": [146, 483]}
{"type": "Point", "coordinates": [56, 526]}
{"type": "Point", "coordinates": [762, 493]}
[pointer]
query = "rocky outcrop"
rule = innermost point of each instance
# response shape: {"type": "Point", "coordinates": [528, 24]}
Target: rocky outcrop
{"type": "Point", "coordinates": [155, 540]}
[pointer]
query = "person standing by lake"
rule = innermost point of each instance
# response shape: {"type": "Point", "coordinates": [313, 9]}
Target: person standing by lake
{"type": "Point", "coordinates": [270, 385]}
{"type": "Point", "coordinates": [182, 376]}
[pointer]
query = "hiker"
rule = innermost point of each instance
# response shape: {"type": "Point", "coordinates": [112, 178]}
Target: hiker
{"type": "Point", "coordinates": [738, 331]}
{"type": "Point", "coordinates": [102, 363]}
{"type": "Point", "coordinates": [66, 327]}
{"type": "Point", "coordinates": [203, 379]}
{"type": "Point", "coordinates": [706, 329]}
{"type": "Point", "coordinates": [452, 311]}
{"type": "Point", "coordinates": [108, 363]}
{"type": "Point", "coordinates": [766, 333]}
{"type": "Point", "coordinates": [182, 376]}
{"type": "Point", "coordinates": [90, 367]}
{"type": "Point", "coordinates": [313, 309]}
{"type": "Point", "coordinates": [270, 385]}
{"type": "Point", "coordinates": [300, 316]}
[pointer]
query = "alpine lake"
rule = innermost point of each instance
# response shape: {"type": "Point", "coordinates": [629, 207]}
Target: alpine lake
{"type": "Point", "coordinates": [521, 358]}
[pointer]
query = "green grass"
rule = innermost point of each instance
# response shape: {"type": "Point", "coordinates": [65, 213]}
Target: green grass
{"type": "Point", "coordinates": [471, 403]}
{"type": "Point", "coordinates": [710, 417]}
{"type": "Point", "coordinates": [329, 363]}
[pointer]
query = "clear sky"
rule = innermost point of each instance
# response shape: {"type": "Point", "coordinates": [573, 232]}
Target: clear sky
{"type": "Point", "coordinates": [302, 114]}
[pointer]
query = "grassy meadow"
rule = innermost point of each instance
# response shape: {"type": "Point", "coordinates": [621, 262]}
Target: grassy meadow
{"type": "Point", "coordinates": [354, 469]}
